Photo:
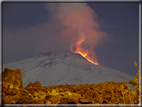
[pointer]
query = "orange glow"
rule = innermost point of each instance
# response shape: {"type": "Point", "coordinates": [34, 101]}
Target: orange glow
{"type": "Point", "coordinates": [85, 52]}
{"type": "Point", "coordinates": [85, 56]}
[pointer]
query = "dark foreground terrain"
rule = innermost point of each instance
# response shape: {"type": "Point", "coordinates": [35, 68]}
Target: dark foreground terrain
{"type": "Point", "coordinates": [107, 93]}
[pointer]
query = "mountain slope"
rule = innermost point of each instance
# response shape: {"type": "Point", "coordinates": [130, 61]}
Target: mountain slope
{"type": "Point", "coordinates": [52, 68]}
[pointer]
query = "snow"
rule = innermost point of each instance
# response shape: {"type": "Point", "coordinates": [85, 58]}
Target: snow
{"type": "Point", "coordinates": [52, 68]}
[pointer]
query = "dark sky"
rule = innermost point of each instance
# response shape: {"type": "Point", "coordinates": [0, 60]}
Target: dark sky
{"type": "Point", "coordinates": [32, 28]}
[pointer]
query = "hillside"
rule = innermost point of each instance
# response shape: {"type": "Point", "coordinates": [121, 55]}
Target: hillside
{"type": "Point", "coordinates": [52, 68]}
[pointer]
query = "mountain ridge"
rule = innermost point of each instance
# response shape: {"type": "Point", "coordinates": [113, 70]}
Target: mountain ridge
{"type": "Point", "coordinates": [61, 68]}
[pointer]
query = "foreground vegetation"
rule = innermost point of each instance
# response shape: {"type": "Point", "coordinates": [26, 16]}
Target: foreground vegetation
{"type": "Point", "coordinates": [103, 93]}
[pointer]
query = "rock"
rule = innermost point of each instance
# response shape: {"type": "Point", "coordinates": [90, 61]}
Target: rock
{"type": "Point", "coordinates": [13, 77]}
{"type": "Point", "coordinates": [9, 99]}
{"type": "Point", "coordinates": [47, 102]}
{"type": "Point", "coordinates": [87, 98]}
{"type": "Point", "coordinates": [57, 96]}
{"type": "Point", "coordinates": [55, 99]}
{"type": "Point", "coordinates": [37, 84]}
{"type": "Point", "coordinates": [47, 98]}
{"type": "Point", "coordinates": [39, 102]}
{"type": "Point", "coordinates": [70, 98]}
{"type": "Point", "coordinates": [53, 92]}
{"type": "Point", "coordinates": [28, 100]}
{"type": "Point", "coordinates": [34, 93]}
{"type": "Point", "coordinates": [40, 95]}
{"type": "Point", "coordinates": [53, 96]}
{"type": "Point", "coordinates": [12, 84]}
{"type": "Point", "coordinates": [67, 101]}
{"type": "Point", "coordinates": [10, 90]}
{"type": "Point", "coordinates": [23, 98]}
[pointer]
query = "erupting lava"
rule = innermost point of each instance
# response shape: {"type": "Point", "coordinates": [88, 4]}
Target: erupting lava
{"type": "Point", "coordinates": [86, 53]}
{"type": "Point", "coordinates": [77, 26]}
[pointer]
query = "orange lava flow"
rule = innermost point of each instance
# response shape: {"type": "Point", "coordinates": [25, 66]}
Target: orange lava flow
{"type": "Point", "coordinates": [85, 56]}
{"type": "Point", "coordinates": [84, 52]}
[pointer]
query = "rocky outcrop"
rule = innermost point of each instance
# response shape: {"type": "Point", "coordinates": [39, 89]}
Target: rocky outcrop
{"type": "Point", "coordinates": [34, 93]}
{"type": "Point", "coordinates": [12, 78]}
{"type": "Point", "coordinates": [36, 84]}
{"type": "Point", "coordinates": [57, 97]}
{"type": "Point", "coordinates": [11, 85]}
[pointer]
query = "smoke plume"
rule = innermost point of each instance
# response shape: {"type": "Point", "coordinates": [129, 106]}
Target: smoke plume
{"type": "Point", "coordinates": [77, 26]}
{"type": "Point", "coordinates": [71, 26]}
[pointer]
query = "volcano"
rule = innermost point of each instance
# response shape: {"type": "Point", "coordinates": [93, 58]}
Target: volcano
{"type": "Point", "coordinates": [60, 68]}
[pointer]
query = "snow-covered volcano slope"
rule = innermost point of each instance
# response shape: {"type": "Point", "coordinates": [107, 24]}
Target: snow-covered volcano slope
{"type": "Point", "coordinates": [52, 68]}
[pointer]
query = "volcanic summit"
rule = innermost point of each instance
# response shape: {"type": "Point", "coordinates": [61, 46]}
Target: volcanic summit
{"type": "Point", "coordinates": [60, 68]}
